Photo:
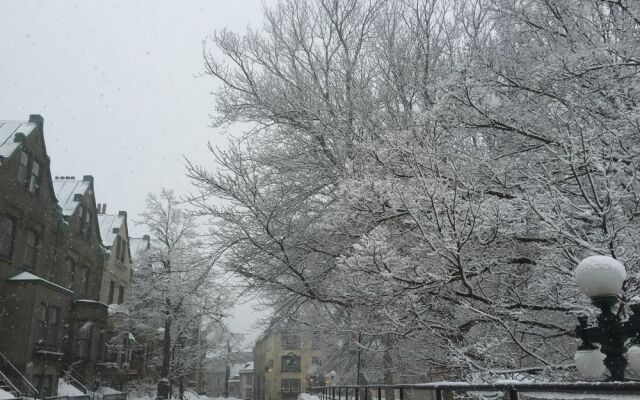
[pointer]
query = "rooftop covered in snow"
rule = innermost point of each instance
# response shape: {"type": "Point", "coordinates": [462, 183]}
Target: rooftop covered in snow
{"type": "Point", "coordinates": [110, 225]}
{"type": "Point", "coordinates": [69, 192]}
{"type": "Point", "coordinates": [29, 277]}
{"type": "Point", "coordinates": [10, 135]}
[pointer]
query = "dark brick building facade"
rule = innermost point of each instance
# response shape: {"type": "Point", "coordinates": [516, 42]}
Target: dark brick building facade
{"type": "Point", "coordinates": [51, 262]}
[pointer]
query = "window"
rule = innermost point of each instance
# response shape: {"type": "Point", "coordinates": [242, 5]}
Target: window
{"type": "Point", "coordinates": [83, 282]}
{"type": "Point", "coordinates": [7, 230]}
{"type": "Point", "coordinates": [23, 168]}
{"type": "Point", "coordinates": [290, 342]}
{"type": "Point", "coordinates": [123, 250]}
{"type": "Point", "coordinates": [102, 347]}
{"type": "Point", "coordinates": [81, 214]}
{"type": "Point", "coordinates": [54, 326]}
{"type": "Point", "coordinates": [121, 295]}
{"type": "Point", "coordinates": [30, 249]}
{"type": "Point", "coordinates": [118, 244]}
{"type": "Point", "coordinates": [34, 180]}
{"type": "Point", "coordinates": [83, 346]}
{"type": "Point", "coordinates": [49, 324]}
{"type": "Point", "coordinates": [290, 363]}
{"type": "Point", "coordinates": [112, 285]}
{"type": "Point", "coordinates": [71, 270]}
{"type": "Point", "coordinates": [42, 324]}
{"type": "Point", "coordinates": [86, 225]}
{"type": "Point", "coordinates": [291, 386]}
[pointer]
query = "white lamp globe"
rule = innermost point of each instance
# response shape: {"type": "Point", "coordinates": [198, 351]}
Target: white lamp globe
{"type": "Point", "coordinates": [600, 276]}
{"type": "Point", "coordinates": [590, 363]}
{"type": "Point", "coordinates": [633, 356]}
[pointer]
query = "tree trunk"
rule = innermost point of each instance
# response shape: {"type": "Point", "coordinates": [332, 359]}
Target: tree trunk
{"type": "Point", "coordinates": [163, 384]}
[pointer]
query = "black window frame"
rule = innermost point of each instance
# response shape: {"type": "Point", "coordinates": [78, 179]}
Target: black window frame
{"type": "Point", "coordinates": [9, 237]}
{"type": "Point", "coordinates": [34, 255]}
{"type": "Point", "coordinates": [290, 342]}
{"type": "Point", "coordinates": [83, 283]}
{"type": "Point", "coordinates": [84, 341]}
{"type": "Point", "coordinates": [49, 329]}
{"type": "Point", "coordinates": [70, 264]}
{"type": "Point", "coordinates": [33, 184]}
{"type": "Point", "coordinates": [120, 294]}
{"type": "Point", "coordinates": [290, 363]}
{"type": "Point", "coordinates": [112, 289]}
{"type": "Point", "coordinates": [23, 169]}
{"type": "Point", "coordinates": [286, 386]}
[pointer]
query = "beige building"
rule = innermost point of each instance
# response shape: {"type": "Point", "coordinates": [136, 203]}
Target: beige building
{"type": "Point", "coordinates": [284, 366]}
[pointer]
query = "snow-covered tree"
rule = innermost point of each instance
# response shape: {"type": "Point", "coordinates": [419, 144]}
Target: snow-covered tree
{"type": "Point", "coordinates": [427, 175]}
{"type": "Point", "coordinates": [175, 291]}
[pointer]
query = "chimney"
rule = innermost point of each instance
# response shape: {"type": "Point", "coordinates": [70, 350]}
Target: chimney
{"type": "Point", "coordinates": [104, 208]}
{"type": "Point", "coordinates": [122, 214]}
{"type": "Point", "coordinates": [38, 120]}
{"type": "Point", "coordinates": [98, 208]}
{"type": "Point", "coordinates": [87, 178]}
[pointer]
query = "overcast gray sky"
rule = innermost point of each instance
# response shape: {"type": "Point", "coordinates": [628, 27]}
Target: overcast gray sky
{"type": "Point", "coordinates": [120, 88]}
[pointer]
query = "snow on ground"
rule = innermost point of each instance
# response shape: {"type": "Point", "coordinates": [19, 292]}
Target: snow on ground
{"type": "Point", "coordinates": [308, 396]}
{"type": "Point", "coordinates": [188, 394]}
{"type": "Point", "coordinates": [499, 395]}
{"type": "Point", "coordinates": [5, 395]}
{"type": "Point", "coordinates": [107, 390]}
{"type": "Point", "coordinates": [578, 396]}
{"type": "Point", "coordinates": [67, 389]}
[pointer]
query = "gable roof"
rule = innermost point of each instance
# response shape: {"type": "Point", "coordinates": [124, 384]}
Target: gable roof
{"type": "Point", "coordinates": [138, 245]}
{"type": "Point", "coordinates": [66, 191]}
{"type": "Point", "coordinates": [107, 224]}
{"type": "Point", "coordinates": [8, 133]}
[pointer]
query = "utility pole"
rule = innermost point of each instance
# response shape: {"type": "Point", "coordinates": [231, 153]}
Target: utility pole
{"type": "Point", "coordinates": [227, 372]}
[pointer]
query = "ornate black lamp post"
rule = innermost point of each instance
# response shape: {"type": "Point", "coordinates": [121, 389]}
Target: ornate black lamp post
{"type": "Point", "coordinates": [601, 278]}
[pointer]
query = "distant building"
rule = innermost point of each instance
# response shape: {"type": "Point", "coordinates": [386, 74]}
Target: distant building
{"type": "Point", "coordinates": [245, 390]}
{"type": "Point", "coordinates": [217, 382]}
{"type": "Point", "coordinates": [285, 365]}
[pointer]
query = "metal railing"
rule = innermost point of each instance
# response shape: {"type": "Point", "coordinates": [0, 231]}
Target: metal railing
{"type": "Point", "coordinates": [16, 379]}
{"type": "Point", "coordinates": [92, 396]}
{"type": "Point", "coordinates": [444, 390]}
{"type": "Point", "coordinates": [85, 397]}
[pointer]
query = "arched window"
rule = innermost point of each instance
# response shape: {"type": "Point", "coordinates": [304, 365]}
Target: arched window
{"type": "Point", "coordinates": [291, 363]}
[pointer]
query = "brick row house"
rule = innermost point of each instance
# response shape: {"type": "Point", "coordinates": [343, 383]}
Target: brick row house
{"type": "Point", "coordinates": [62, 262]}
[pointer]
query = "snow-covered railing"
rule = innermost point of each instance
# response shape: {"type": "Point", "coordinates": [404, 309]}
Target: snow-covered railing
{"type": "Point", "coordinates": [590, 390]}
{"type": "Point", "coordinates": [16, 379]}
